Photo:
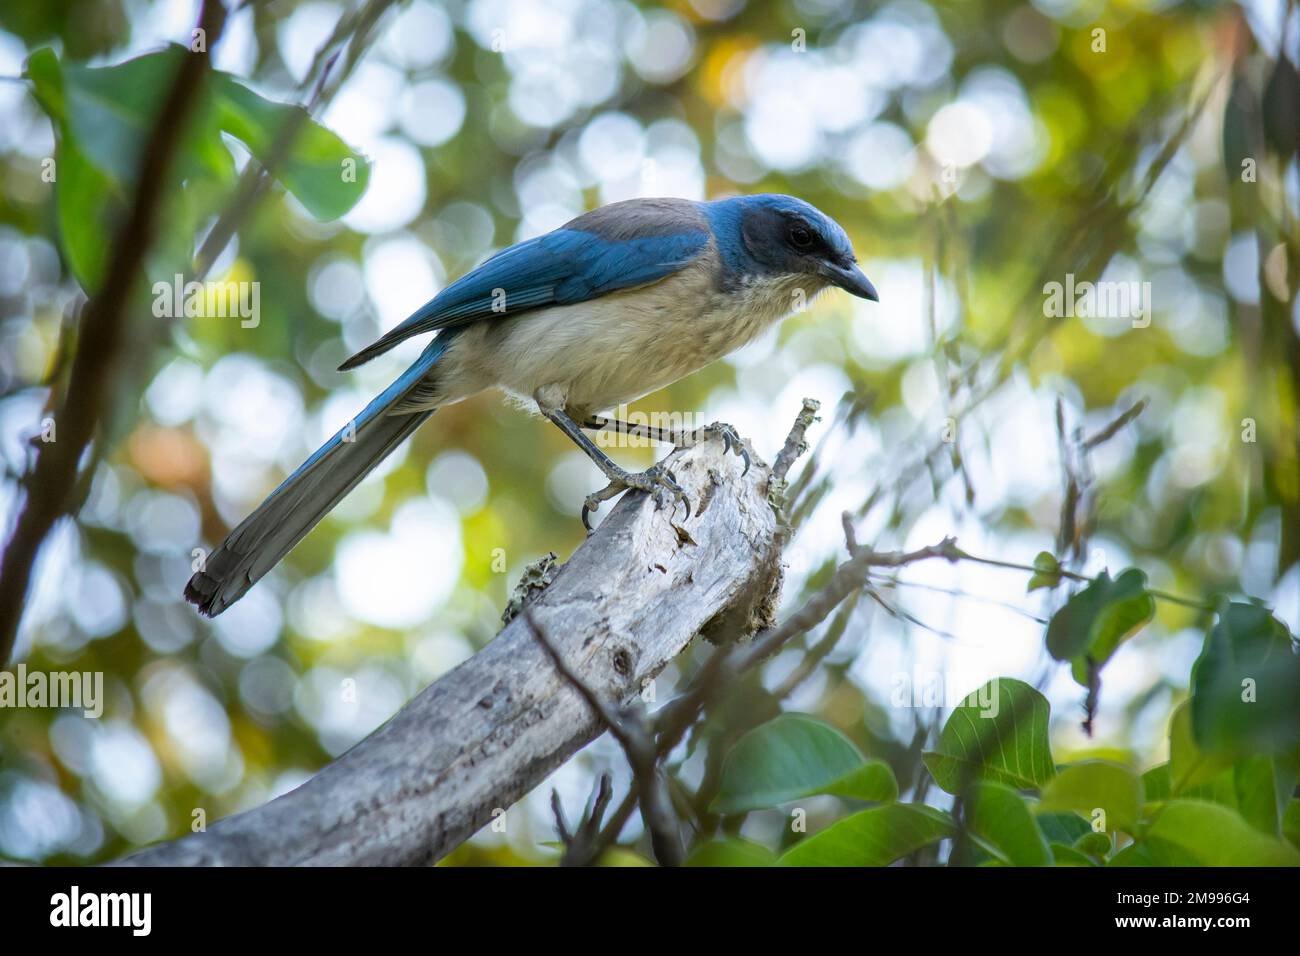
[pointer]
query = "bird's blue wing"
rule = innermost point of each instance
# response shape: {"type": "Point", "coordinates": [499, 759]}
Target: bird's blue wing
{"type": "Point", "coordinates": [620, 246]}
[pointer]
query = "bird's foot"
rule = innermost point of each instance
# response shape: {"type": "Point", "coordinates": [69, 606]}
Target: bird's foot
{"type": "Point", "coordinates": [656, 480]}
{"type": "Point", "coordinates": [731, 440]}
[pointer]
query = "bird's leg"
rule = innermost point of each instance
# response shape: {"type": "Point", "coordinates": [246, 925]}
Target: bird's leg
{"type": "Point", "coordinates": [598, 423]}
{"type": "Point", "coordinates": [653, 480]}
{"type": "Point", "coordinates": [680, 437]}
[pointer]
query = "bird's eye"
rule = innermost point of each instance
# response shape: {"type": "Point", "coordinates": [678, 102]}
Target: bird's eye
{"type": "Point", "coordinates": [800, 237]}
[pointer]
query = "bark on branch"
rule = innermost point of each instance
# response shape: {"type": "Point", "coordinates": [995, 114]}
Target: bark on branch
{"type": "Point", "coordinates": [630, 599]}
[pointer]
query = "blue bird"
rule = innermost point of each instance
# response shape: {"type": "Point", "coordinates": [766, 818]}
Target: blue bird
{"type": "Point", "coordinates": [614, 305]}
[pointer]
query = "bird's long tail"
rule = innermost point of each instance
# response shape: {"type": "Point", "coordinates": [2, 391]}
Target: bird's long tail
{"type": "Point", "coordinates": [306, 496]}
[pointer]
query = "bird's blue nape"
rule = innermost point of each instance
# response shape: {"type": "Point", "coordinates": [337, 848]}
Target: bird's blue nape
{"type": "Point", "coordinates": [830, 231]}
{"type": "Point", "coordinates": [750, 232]}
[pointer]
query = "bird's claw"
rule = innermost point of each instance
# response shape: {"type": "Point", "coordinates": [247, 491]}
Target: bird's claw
{"type": "Point", "coordinates": [588, 507]}
{"type": "Point", "coordinates": [731, 442]}
{"type": "Point", "coordinates": [667, 481]}
{"type": "Point", "coordinates": [653, 481]}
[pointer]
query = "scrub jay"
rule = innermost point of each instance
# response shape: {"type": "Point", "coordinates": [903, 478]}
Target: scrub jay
{"type": "Point", "coordinates": [612, 306]}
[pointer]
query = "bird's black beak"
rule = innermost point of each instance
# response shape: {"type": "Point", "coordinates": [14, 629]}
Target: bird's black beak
{"type": "Point", "coordinates": [850, 278]}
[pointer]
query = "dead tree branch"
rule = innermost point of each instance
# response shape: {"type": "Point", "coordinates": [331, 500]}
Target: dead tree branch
{"type": "Point", "coordinates": [630, 599]}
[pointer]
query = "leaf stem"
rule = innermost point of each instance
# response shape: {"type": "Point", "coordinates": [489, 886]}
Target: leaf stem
{"type": "Point", "coordinates": [1075, 576]}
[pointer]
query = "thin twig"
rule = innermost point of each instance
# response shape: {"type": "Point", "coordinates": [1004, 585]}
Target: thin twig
{"type": "Point", "coordinates": [895, 611]}
{"type": "Point", "coordinates": [896, 582]}
{"type": "Point", "coordinates": [818, 652]}
{"type": "Point", "coordinates": [1076, 576]}
{"type": "Point", "coordinates": [355, 30]}
{"type": "Point", "coordinates": [582, 847]}
{"type": "Point", "coordinates": [637, 741]}
{"type": "Point", "coordinates": [794, 442]}
{"type": "Point", "coordinates": [1111, 430]}
{"type": "Point", "coordinates": [676, 717]}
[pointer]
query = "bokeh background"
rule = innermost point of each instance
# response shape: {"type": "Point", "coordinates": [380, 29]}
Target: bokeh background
{"type": "Point", "coordinates": [973, 150]}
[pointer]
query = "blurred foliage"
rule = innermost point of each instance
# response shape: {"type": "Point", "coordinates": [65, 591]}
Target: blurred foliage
{"type": "Point", "coordinates": [104, 116]}
{"type": "Point", "coordinates": [975, 153]}
{"type": "Point", "coordinates": [1012, 802]}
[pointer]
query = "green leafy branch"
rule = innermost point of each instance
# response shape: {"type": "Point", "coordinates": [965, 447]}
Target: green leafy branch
{"type": "Point", "coordinates": [1014, 805]}
{"type": "Point", "coordinates": [101, 115]}
{"type": "Point", "coordinates": [142, 160]}
{"type": "Point", "coordinates": [95, 369]}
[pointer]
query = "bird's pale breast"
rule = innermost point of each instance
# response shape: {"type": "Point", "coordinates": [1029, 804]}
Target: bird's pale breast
{"type": "Point", "coordinates": [619, 347]}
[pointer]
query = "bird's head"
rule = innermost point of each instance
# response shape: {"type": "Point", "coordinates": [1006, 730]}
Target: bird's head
{"type": "Point", "coordinates": [787, 236]}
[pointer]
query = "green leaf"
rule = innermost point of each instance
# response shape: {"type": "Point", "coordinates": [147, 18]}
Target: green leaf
{"type": "Point", "coordinates": [966, 851]}
{"type": "Point", "coordinates": [1244, 685]}
{"type": "Point", "coordinates": [109, 113]}
{"type": "Point", "coordinates": [1157, 783]}
{"type": "Point", "coordinates": [1207, 834]}
{"type": "Point", "coordinates": [1257, 787]}
{"type": "Point", "coordinates": [1262, 789]}
{"type": "Point", "coordinates": [795, 756]}
{"type": "Point", "coordinates": [1097, 845]}
{"type": "Point", "coordinates": [621, 856]}
{"type": "Point", "coordinates": [42, 69]}
{"type": "Point", "coordinates": [321, 172]}
{"type": "Point", "coordinates": [1064, 855]}
{"type": "Point", "coordinates": [731, 853]}
{"type": "Point", "coordinates": [1096, 620]}
{"type": "Point", "coordinates": [875, 837]}
{"type": "Point", "coordinates": [1136, 854]}
{"type": "Point", "coordinates": [999, 818]}
{"type": "Point", "coordinates": [998, 733]}
{"type": "Point", "coordinates": [87, 209]}
{"type": "Point", "coordinates": [1047, 572]}
{"type": "Point", "coordinates": [1092, 785]}
{"type": "Point", "coordinates": [1291, 823]}
{"type": "Point", "coordinates": [1189, 766]}
{"type": "Point", "coordinates": [1062, 827]}
{"type": "Point", "coordinates": [96, 144]}
{"type": "Point", "coordinates": [873, 782]}
{"type": "Point", "coordinates": [103, 117]}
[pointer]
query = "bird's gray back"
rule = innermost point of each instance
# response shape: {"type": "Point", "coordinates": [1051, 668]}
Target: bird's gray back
{"type": "Point", "coordinates": [641, 219]}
